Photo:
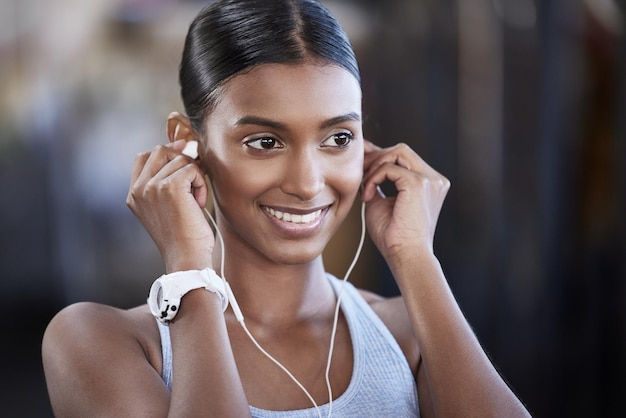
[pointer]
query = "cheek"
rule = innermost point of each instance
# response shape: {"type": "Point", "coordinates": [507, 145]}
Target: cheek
{"type": "Point", "coordinates": [230, 180]}
{"type": "Point", "coordinates": [235, 180]}
{"type": "Point", "coordinates": [347, 176]}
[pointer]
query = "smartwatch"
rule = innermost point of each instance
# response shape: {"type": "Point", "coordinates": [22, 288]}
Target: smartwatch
{"type": "Point", "coordinates": [168, 290]}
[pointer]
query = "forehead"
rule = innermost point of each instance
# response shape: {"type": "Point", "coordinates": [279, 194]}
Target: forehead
{"type": "Point", "coordinates": [287, 92]}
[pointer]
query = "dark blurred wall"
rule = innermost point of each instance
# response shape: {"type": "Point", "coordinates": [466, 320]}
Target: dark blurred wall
{"type": "Point", "coordinates": [520, 103]}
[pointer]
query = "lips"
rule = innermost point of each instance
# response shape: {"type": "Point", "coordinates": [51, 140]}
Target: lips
{"type": "Point", "coordinates": [295, 218]}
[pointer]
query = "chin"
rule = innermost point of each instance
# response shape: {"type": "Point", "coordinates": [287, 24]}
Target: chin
{"type": "Point", "coordinates": [299, 261]}
{"type": "Point", "coordinates": [297, 256]}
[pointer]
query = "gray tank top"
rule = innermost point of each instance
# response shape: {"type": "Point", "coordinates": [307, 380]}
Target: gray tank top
{"type": "Point", "coordinates": [382, 384]}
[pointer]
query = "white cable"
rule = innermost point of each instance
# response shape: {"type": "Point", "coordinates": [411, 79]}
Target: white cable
{"type": "Point", "coordinates": [241, 321]}
{"type": "Point", "coordinates": [283, 368]}
{"type": "Point", "coordinates": [336, 318]}
{"type": "Point", "coordinates": [240, 318]}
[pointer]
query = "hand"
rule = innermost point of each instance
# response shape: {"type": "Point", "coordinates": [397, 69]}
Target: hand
{"type": "Point", "coordinates": [167, 193]}
{"type": "Point", "coordinates": [407, 221]}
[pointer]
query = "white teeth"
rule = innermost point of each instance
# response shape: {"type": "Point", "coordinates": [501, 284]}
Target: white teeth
{"type": "Point", "coordinates": [292, 217]}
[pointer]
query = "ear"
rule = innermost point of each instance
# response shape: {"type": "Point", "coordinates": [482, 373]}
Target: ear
{"type": "Point", "coordinates": [179, 127]}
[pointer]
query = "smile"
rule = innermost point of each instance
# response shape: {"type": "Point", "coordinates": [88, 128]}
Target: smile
{"type": "Point", "coordinates": [294, 217]}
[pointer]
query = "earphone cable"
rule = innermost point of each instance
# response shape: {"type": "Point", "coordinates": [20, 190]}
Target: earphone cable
{"type": "Point", "coordinates": [337, 306]}
{"type": "Point", "coordinates": [241, 321]}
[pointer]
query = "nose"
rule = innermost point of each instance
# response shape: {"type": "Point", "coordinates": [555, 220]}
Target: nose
{"type": "Point", "coordinates": [304, 175]}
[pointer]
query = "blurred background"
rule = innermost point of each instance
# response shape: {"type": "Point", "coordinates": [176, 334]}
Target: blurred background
{"type": "Point", "coordinates": [520, 103]}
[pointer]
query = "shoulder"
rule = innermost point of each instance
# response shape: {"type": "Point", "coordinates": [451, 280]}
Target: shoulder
{"type": "Point", "coordinates": [86, 327]}
{"type": "Point", "coordinates": [393, 313]}
{"type": "Point", "coordinates": [87, 346]}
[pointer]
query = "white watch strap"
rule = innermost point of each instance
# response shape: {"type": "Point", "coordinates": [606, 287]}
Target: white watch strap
{"type": "Point", "coordinates": [167, 291]}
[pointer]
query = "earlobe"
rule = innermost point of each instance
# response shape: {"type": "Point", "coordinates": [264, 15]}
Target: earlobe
{"type": "Point", "coordinates": [179, 127]}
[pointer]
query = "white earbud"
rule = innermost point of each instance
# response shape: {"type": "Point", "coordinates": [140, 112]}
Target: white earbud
{"type": "Point", "coordinates": [191, 149]}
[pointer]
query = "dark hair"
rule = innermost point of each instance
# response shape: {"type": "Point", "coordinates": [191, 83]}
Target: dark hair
{"type": "Point", "coordinates": [231, 36]}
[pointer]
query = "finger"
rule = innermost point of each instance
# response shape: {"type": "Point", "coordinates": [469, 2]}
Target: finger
{"type": "Point", "coordinates": [183, 169]}
{"type": "Point", "coordinates": [157, 169]}
{"type": "Point", "coordinates": [134, 188]}
{"type": "Point", "coordinates": [371, 152]}
{"type": "Point", "coordinates": [404, 180]}
{"type": "Point", "coordinates": [403, 156]}
{"type": "Point", "coordinates": [386, 171]}
{"type": "Point", "coordinates": [158, 158]}
{"type": "Point", "coordinates": [172, 166]}
{"type": "Point", "coordinates": [142, 158]}
{"type": "Point", "coordinates": [192, 179]}
{"type": "Point", "coordinates": [399, 154]}
{"type": "Point", "coordinates": [183, 173]}
{"type": "Point", "coordinates": [140, 162]}
{"type": "Point", "coordinates": [369, 146]}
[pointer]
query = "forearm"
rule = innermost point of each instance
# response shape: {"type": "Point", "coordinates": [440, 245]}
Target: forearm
{"type": "Point", "coordinates": [205, 379]}
{"type": "Point", "coordinates": [459, 374]}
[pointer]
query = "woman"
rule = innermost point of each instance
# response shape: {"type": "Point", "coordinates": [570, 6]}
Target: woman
{"type": "Point", "coordinates": [272, 96]}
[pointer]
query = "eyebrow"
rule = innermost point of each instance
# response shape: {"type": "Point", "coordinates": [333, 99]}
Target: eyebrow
{"type": "Point", "coordinates": [256, 120]}
{"type": "Point", "coordinates": [350, 117]}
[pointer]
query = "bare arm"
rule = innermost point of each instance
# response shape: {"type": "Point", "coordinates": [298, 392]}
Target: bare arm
{"type": "Point", "coordinates": [167, 194]}
{"type": "Point", "coordinates": [98, 362]}
{"type": "Point", "coordinates": [205, 376]}
{"type": "Point", "coordinates": [95, 365]}
{"type": "Point", "coordinates": [94, 358]}
{"type": "Point", "coordinates": [459, 376]}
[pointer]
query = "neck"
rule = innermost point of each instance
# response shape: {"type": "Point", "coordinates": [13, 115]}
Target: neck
{"type": "Point", "coordinates": [276, 294]}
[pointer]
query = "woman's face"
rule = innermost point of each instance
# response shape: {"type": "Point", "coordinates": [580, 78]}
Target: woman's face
{"type": "Point", "coordinates": [284, 150]}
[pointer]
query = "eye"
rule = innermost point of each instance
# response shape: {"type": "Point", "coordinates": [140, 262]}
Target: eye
{"type": "Point", "coordinates": [264, 143]}
{"type": "Point", "coordinates": [338, 140]}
